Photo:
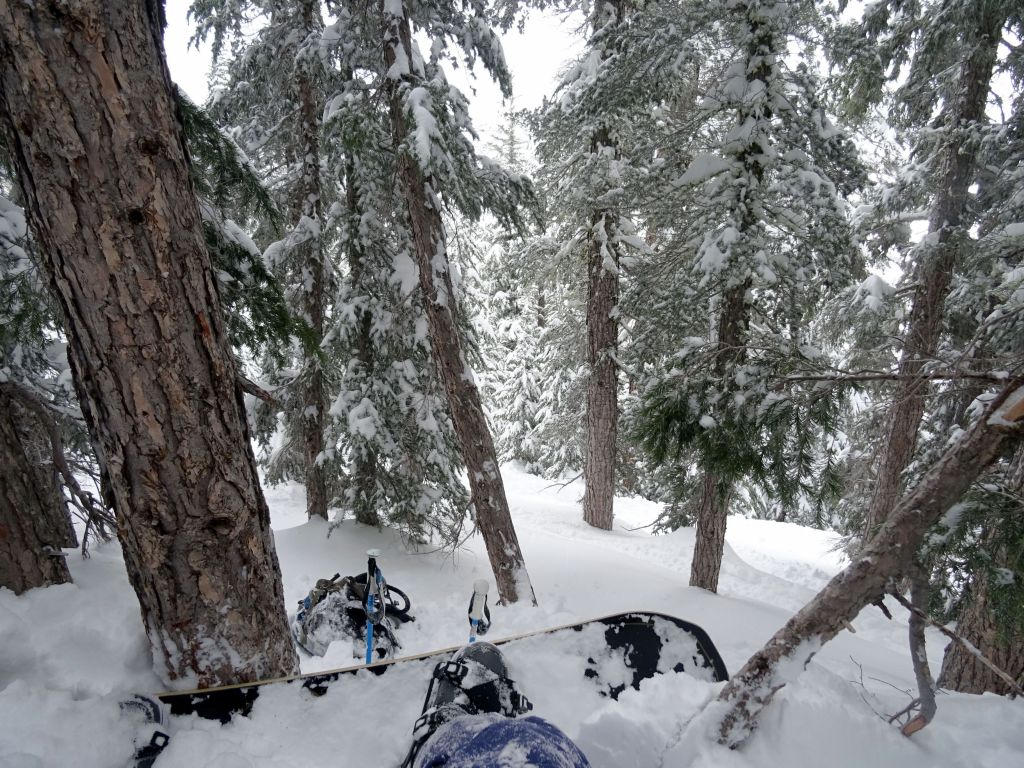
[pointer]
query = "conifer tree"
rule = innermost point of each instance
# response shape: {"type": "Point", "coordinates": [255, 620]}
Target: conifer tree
{"type": "Point", "coordinates": [436, 164]}
{"type": "Point", "coordinates": [931, 66]}
{"type": "Point", "coordinates": [586, 142]}
{"type": "Point", "coordinates": [272, 98]}
{"type": "Point", "coordinates": [512, 301]}
{"type": "Point", "coordinates": [101, 161]}
{"type": "Point", "coordinates": [760, 212]}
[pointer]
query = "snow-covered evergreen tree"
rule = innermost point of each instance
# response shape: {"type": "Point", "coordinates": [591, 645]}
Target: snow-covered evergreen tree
{"type": "Point", "coordinates": [271, 99]}
{"type": "Point", "coordinates": [756, 184]}
{"type": "Point", "coordinates": [512, 301]}
{"type": "Point", "coordinates": [931, 68]}
{"type": "Point", "coordinates": [389, 418]}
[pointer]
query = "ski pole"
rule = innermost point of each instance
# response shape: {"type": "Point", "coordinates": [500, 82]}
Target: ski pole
{"type": "Point", "coordinates": [372, 595]}
{"type": "Point", "coordinates": [477, 606]}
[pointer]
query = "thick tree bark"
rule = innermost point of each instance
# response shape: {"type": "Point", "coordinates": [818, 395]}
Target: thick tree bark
{"type": "Point", "coordinates": [602, 419]}
{"type": "Point", "coordinates": [86, 97]}
{"type": "Point", "coordinates": [308, 204]}
{"type": "Point", "coordinates": [884, 558]}
{"type": "Point", "coordinates": [366, 464]}
{"type": "Point", "coordinates": [947, 227]}
{"type": "Point", "coordinates": [978, 623]}
{"type": "Point", "coordinates": [33, 525]}
{"type": "Point", "coordinates": [603, 383]}
{"type": "Point", "coordinates": [474, 436]}
{"type": "Point", "coordinates": [713, 512]}
{"type": "Point", "coordinates": [709, 538]}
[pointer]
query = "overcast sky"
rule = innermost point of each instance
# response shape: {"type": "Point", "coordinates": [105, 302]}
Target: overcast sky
{"type": "Point", "coordinates": [534, 57]}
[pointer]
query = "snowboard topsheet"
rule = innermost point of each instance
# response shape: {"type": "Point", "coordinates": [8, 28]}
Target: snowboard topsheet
{"type": "Point", "coordinates": [613, 652]}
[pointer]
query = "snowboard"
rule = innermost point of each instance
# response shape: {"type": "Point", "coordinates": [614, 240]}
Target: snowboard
{"type": "Point", "coordinates": [613, 652]}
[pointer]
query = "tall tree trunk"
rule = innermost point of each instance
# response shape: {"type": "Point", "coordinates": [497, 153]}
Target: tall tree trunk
{"type": "Point", "coordinates": [366, 464]}
{"type": "Point", "coordinates": [602, 328]}
{"type": "Point", "coordinates": [308, 204]}
{"type": "Point", "coordinates": [709, 535]}
{"type": "Point", "coordinates": [948, 229]}
{"type": "Point", "coordinates": [885, 557]}
{"type": "Point", "coordinates": [474, 436]}
{"type": "Point", "coordinates": [713, 512]}
{"type": "Point", "coordinates": [33, 525]}
{"type": "Point", "coordinates": [85, 96]}
{"type": "Point", "coordinates": [733, 321]}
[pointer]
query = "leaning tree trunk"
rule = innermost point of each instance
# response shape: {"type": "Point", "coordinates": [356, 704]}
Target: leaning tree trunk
{"type": "Point", "coordinates": [602, 421]}
{"type": "Point", "coordinates": [33, 526]}
{"type": "Point", "coordinates": [884, 558]}
{"type": "Point", "coordinates": [474, 436]}
{"type": "Point", "coordinates": [86, 99]}
{"type": "Point", "coordinates": [948, 229]}
{"type": "Point", "coordinates": [308, 206]}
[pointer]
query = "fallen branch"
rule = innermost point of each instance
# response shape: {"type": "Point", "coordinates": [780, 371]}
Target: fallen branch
{"type": "Point", "coordinates": [885, 557]}
{"type": "Point", "coordinates": [924, 704]}
{"type": "Point", "coordinates": [966, 644]}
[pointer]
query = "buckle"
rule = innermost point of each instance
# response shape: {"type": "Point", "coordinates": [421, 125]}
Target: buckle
{"type": "Point", "coordinates": [454, 671]}
{"type": "Point", "coordinates": [520, 704]}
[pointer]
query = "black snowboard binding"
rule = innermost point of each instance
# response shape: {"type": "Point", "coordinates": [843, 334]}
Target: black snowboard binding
{"type": "Point", "coordinates": [150, 740]}
{"type": "Point", "coordinates": [473, 681]}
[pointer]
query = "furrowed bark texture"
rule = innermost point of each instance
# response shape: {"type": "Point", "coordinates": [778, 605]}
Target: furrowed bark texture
{"type": "Point", "coordinates": [86, 98]}
{"type": "Point", "coordinates": [308, 194]}
{"type": "Point", "coordinates": [947, 224]}
{"type": "Point", "coordinates": [602, 335]}
{"type": "Point", "coordinates": [713, 512]}
{"type": "Point", "coordinates": [474, 436]}
{"type": "Point", "coordinates": [885, 557]}
{"type": "Point", "coordinates": [978, 623]}
{"type": "Point", "coordinates": [32, 522]}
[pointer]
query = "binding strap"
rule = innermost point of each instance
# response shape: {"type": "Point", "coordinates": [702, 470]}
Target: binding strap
{"type": "Point", "coordinates": [498, 695]}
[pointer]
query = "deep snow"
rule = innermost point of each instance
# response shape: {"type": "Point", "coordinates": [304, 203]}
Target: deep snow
{"type": "Point", "coordinates": [68, 654]}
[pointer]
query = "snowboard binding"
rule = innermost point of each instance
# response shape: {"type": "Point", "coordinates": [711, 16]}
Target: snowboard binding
{"type": "Point", "coordinates": [151, 713]}
{"type": "Point", "coordinates": [473, 681]}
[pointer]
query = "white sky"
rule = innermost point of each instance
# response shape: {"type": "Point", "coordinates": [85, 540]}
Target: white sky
{"type": "Point", "coordinates": [534, 58]}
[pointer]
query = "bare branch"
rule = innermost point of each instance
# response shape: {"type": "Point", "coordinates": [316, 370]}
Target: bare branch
{"type": "Point", "coordinates": [92, 511]}
{"type": "Point", "coordinates": [1013, 685]}
{"type": "Point", "coordinates": [925, 703]}
{"type": "Point", "coordinates": [250, 387]}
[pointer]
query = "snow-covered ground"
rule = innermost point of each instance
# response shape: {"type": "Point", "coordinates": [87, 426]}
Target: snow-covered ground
{"type": "Point", "coordinates": [68, 654]}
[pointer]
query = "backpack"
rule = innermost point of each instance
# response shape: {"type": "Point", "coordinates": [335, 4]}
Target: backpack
{"type": "Point", "coordinates": [334, 609]}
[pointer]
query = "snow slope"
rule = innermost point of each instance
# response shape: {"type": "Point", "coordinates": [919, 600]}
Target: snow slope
{"type": "Point", "coordinates": [68, 654]}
